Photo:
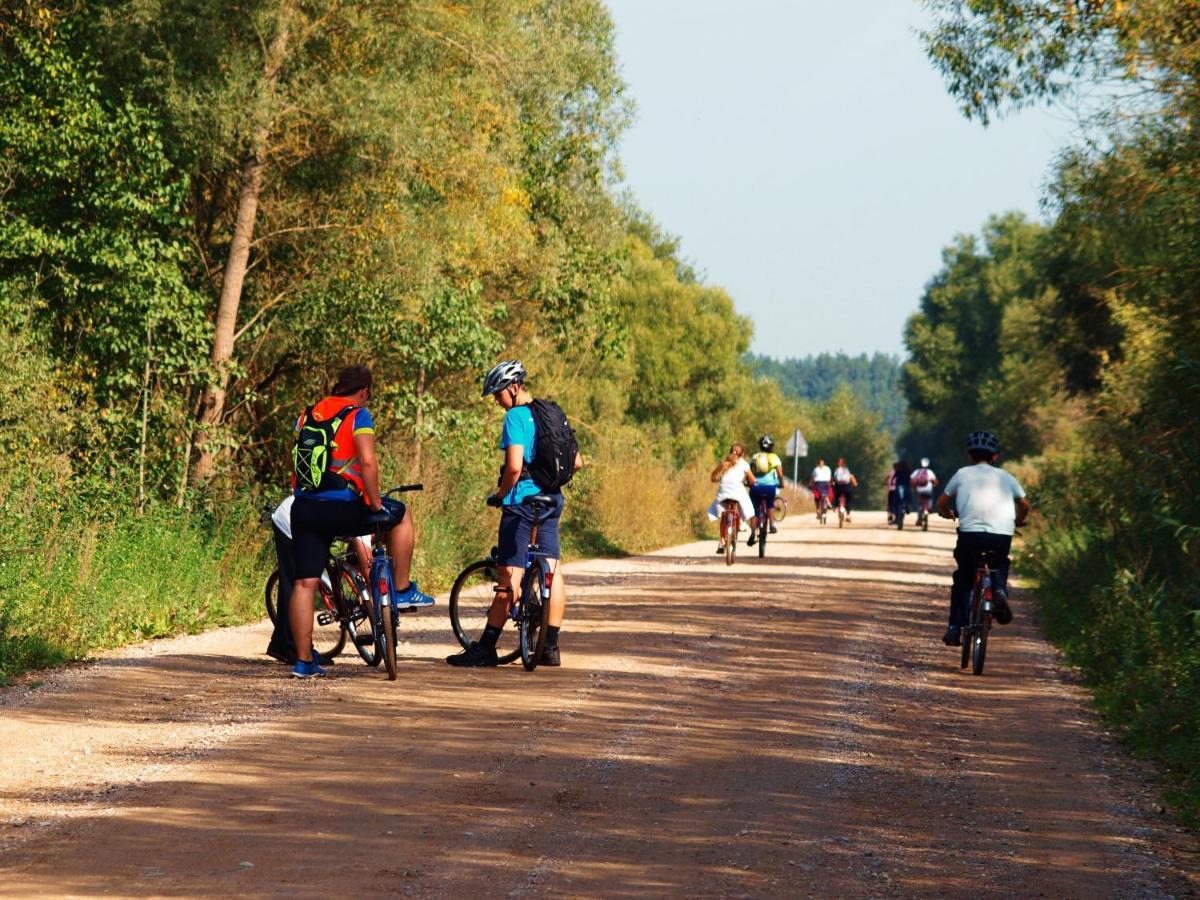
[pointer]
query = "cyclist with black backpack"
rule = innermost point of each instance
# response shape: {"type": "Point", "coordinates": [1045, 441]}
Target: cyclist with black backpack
{"type": "Point", "coordinates": [540, 457]}
{"type": "Point", "coordinates": [336, 482]}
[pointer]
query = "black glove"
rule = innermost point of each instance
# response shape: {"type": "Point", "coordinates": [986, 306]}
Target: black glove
{"type": "Point", "coordinates": [493, 500]}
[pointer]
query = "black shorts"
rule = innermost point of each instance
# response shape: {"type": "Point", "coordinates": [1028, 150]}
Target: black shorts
{"type": "Point", "coordinates": [317, 523]}
{"type": "Point", "coordinates": [516, 525]}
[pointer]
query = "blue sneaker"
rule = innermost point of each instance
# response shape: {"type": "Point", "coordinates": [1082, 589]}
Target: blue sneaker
{"type": "Point", "coordinates": [411, 598]}
{"type": "Point", "coordinates": [304, 669]}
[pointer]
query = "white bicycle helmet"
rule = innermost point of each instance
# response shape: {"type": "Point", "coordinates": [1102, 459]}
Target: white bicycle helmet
{"type": "Point", "coordinates": [983, 440]}
{"type": "Point", "coordinates": [924, 462]}
{"type": "Point", "coordinates": [502, 375]}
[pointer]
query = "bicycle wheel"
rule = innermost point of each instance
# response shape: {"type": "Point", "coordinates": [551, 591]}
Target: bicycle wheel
{"type": "Point", "coordinates": [925, 521]}
{"type": "Point", "coordinates": [360, 623]}
{"type": "Point", "coordinates": [841, 516]}
{"type": "Point", "coordinates": [731, 537]}
{"type": "Point", "coordinates": [329, 631]}
{"type": "Point", "coordinates": [385, 625]}
{"type": "Point", "coordinates": [531, 618]}
{"type": "Point", "coordinates": [979, 645]}
{"type": "Point", "coordinates": [470, 599]}
{"type": "Point", "coordinates": [780, 509]}
{"type": "Point", "coordinates": [764, 528]}
{"type": "Point", "coordinates": [271, 593]}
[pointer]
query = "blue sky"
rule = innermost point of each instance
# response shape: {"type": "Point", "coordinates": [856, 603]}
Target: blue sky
{"type": "Point", "coordinates": [811, 160]}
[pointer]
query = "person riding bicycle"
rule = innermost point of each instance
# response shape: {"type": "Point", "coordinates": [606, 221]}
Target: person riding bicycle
{"type": "Point", "coordinates": [844, 484]}
{"type": "Point", "coordinates": [821, 482]}
{"type": "Point", "coordinates": [768, 477]}
{"type": "Point", "coordinates": [731, 476]}
{"type": "Point", "coordinates": [902, 487]}
{"type": "Point", "coordinates": [923, 481]}
{"type": "Point", "coordinates": [505, 384]}
{"type": "Point", "coordinates": [989, 504]}
{"type": "Point", "coordinates": [336, 484]}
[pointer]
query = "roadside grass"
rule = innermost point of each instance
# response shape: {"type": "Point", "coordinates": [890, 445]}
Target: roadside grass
{"type": "Point", "coordinates": [1136, 640]}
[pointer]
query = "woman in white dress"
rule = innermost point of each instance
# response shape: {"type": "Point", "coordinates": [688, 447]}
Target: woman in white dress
{"type": "Point", "coordinates": [732, 475]}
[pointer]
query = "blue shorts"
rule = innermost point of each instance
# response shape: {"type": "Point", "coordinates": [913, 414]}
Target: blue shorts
{"type": "Point", "coordinates": [516, 525]}
{"type": "Point", "coordinates": [765, 492]}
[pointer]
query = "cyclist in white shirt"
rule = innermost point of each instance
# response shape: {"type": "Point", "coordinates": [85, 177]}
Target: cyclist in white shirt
{"type": "Point", "coordinates": [731, 476]}
{"type": "Point", "coordinates": [923, 481]}
{"type": "Point", "coordinates": [844, 484]}
{"type": "Point", "coordinates": [989, 504]}
{"type": "Point", "coordinates": [821, 483]}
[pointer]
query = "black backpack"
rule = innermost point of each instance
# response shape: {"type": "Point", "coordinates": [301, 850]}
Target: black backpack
{"type": "Point", "coordinates": [554, 448]}
{"type": "Point", "coordinates": [313, 452]}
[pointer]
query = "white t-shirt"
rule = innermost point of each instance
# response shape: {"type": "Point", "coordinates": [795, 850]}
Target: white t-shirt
{"type": "Point", "coordinates": [841, 475]}
{"type": "Point", "coordinates": [732, 486]}
{"type": "Point", "coordinates": [822, 473]}
{"type": "Point", "coordinates": [915, 481]}
{"type": "Point", "coordinates": [983, 496]}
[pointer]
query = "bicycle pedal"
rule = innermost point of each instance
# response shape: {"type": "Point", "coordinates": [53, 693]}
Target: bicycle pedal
{"type": "Point", "coordinates": [325, 618]}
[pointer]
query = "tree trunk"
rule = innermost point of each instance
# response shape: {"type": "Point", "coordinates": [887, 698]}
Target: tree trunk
{"type": "Point", "coordinates": [418, 423]}
{"type": "Point", "coordinates": [212, 402]}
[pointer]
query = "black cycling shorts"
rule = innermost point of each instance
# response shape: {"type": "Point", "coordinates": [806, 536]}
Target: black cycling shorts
{"type": "Point", "coordinates": [317, 523]}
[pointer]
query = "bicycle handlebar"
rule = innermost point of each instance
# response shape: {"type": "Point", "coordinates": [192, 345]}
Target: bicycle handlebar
{"type": "Point", "coordinates": [403, 488]}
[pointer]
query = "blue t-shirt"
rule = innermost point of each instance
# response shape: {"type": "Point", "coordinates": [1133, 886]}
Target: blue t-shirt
{"type": "Point", "coordinates": [361, 422]}
{"type": "Point", "coordinates": [519, 429]}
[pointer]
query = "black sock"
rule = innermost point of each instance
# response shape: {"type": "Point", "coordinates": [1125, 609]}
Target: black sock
{"type": "Point", "coordinates": [552, 635]}
{"type": "Point", "coordinates": [490, 635]}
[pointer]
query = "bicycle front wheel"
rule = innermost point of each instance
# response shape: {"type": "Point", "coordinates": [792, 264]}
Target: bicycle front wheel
{"type": "Point", "coordinates": [780, 509]}
{"type": "Point", "coordinates": [531, 621]}
{"type": "Point", "coordinates": [385, 623]}
{"type": "Point", "coordinates": [360, 620]}
{"type": "Point", "coordinates": [470, 599]}
{"type": "Point", "coordinates": [329, 632]}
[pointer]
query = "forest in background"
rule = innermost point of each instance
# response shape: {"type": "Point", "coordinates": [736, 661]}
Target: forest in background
{"type": "Point", "coordinates": [1078, 342]}
{"type": "Point", "coordinates": [201, 224]}
{"type": "Point", "coordinates": [873, 379]}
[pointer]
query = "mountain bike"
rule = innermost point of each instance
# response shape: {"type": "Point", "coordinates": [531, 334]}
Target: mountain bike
{"type": "Point", "coordinates": [780, 507]}
{"type": "Point", "coordinates": [475, 588]}
{"type": "Point", "coordinates": [384, 614]}
{"type": "Point", "coordinates": [764, 525]}
{"type": "Point", "coordinates": [342, 606]}
{"type": "Point", "coordinates": [924, 502]}
{"type": "Point", "coordinates": [975, 632]}
{"type": "Point", "coordinates": [731, 523]}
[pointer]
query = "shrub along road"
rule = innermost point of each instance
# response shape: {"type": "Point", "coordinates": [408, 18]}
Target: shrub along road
{"type": "Point", "coordinates": [789, 726]}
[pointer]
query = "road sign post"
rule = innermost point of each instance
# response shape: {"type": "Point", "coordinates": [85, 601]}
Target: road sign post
{"type": "Point", "coordinates": [797, 447]}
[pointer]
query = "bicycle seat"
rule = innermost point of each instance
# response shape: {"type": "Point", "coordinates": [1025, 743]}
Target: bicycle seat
{"type": "Point", "coordinates": [383, 518]}
{"type": "Point", "coordinates": [538, 500]}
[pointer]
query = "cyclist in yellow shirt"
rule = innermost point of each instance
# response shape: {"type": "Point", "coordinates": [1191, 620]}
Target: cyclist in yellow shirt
{"type": "Point", "coordinates": [768, 478]}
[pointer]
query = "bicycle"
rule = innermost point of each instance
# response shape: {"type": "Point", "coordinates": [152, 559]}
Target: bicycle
{"type": "Point", "coordinates": [924, 503]}
{"type": "Point", "coordinates": [475, 588]}
{"type": "Point", "coordinates": [764, 525]}
{"type": "Point", "coordinates": [385, 616]}
{"type": "Point", "coordinates": [823, 512]}
{"type": "Point", "coordinates": [731, 524]}
{"type": "Point", "coordinates": [341, 606]}
{"type": "Point", "coordinates": [780, 507]}
{"type": "Point", "coordinates": [975, 632]}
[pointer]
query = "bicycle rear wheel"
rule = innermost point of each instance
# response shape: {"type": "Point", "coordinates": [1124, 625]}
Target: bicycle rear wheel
{"type": "Point", "coordinates": [841, 516]}
{"type": "Point", "coordinates": [764, 528]}
{"type": "Point", "coordinates": [731, 537]}
{"type": "Point", "coordinates": [470, 599]}
{"type": "Point", "coordinates": [979, 645]}
{"type": "Point", "coordinates": [360, 622]}
{"type": "Point", "coordinates": [271, 594]}
{"type": "Point", "coordinates": [531, 619]}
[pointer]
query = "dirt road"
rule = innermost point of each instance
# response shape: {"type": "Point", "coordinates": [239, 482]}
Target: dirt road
{"type": "Point", "coordinates": [785, 727]}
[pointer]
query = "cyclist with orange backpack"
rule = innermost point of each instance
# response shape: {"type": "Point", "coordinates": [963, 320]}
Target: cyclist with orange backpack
{"type": "Point", "coordinates": [336, 483]}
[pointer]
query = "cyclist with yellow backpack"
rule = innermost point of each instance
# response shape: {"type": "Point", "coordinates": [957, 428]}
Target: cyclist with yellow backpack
{"type": "Point", "coordinates": [768, 478]}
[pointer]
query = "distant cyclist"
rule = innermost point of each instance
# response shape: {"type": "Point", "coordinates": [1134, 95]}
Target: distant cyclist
{"type": "Point", "coordinates": [844, 484]}
{"type": "Point", "coordinates": [768, 477]}
{"type": "Point", "coordinates": [731, 476]}
{"type": "Point", "coordinates": [821, 482]}
{"type": "Point", "coordinates": [924, 481]}
{"type": "Point", "coordinates": [903, 479]}
{"type": "Point", "coordinates": [505, 384]}
{"type": "Point", "coordinates": [989, 504]}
